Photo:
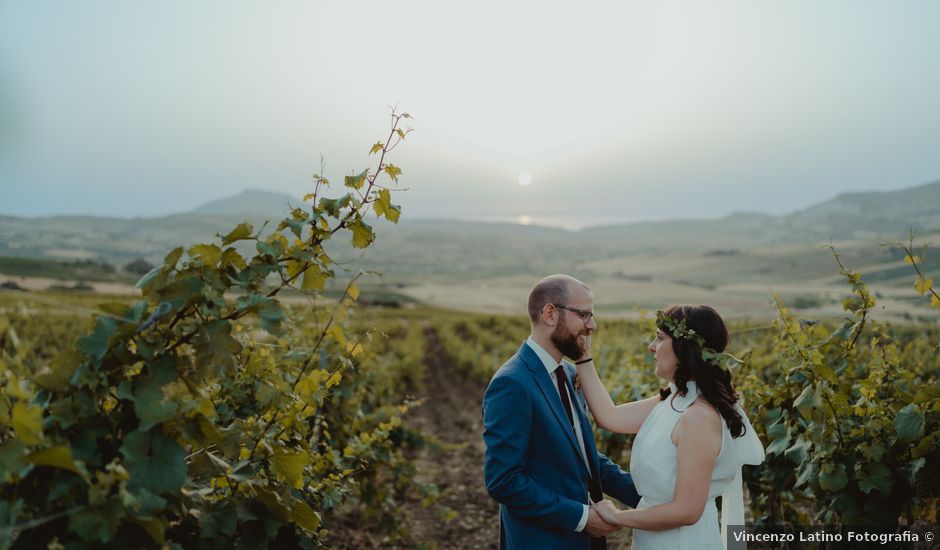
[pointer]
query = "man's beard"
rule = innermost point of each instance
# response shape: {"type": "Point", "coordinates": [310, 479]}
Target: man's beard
{"type": "Point", "coordinates": [567, 342]}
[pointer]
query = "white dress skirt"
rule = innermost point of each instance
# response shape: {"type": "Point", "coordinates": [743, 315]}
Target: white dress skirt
{"type": "Point", "coordinates": [654, 463]}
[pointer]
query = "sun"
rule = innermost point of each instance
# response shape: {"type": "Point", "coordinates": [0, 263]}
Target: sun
{"type": "Point", "coordinates": [525, 178]}
{"type": "Point", "coordinates": [524, 220]}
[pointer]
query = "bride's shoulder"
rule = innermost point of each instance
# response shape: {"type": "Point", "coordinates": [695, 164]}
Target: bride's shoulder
{"type": "Point", "coordinates": [700, 426]}
{"type": "Point", "coordinates": [701, 414]}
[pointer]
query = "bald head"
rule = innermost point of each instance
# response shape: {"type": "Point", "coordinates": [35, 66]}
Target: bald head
{"type": "Point", "coordinates": [553, 289]}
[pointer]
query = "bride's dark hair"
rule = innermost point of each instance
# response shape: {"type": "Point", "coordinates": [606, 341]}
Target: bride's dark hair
{"type": "Point", "coordinates": [713, 381]}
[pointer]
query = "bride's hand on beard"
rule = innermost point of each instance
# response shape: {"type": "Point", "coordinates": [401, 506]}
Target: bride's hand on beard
{"type": "Point", "coordinates": [606, 510]}
{"type": "Point", "coordinates": [586, 352]}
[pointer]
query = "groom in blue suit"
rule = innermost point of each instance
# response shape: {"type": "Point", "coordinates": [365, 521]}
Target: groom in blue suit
{"type": "Point", "coordinates": [541, 463]}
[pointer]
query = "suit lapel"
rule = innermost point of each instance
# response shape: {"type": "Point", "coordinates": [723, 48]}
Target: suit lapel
{"type": "Point", "coordinates": [589, 445]}
{"type": "Point", "coordinates": [547, 388]}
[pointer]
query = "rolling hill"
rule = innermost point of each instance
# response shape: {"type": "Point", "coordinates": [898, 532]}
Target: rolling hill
{"type": "Point", "coordinates": [488, 266]}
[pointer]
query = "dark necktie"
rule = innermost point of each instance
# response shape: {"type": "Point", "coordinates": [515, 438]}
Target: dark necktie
{"type": "Point", "coordinates": [563, 390]}
{"type": "Point", "coordinates": [594, 486]}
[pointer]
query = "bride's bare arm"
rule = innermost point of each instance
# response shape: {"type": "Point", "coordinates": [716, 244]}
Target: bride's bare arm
{"type": "Point", "coordinates": [699, 442]}
{"type": "Point", "coordinates": [626, 418]}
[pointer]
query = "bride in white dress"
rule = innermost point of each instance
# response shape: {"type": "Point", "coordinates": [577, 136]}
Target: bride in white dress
{"type": "Point", "coordinates": [691, 439]}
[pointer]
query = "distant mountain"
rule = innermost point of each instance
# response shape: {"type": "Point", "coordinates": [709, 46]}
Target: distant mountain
{"type": "Point", "coordinates": [861, 215]}
{"type": "Point", "coordinates": [733, 231]}
{"type": "Point", "coordinates": [888, 215]}
{"type": "Point", "coordinates": [464, 249]}
{"type": "Point", "coordinates": [251, 203]}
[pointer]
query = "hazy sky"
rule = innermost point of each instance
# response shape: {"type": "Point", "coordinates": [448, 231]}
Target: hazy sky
{"type": "Point", "coordinates": [620, 111]}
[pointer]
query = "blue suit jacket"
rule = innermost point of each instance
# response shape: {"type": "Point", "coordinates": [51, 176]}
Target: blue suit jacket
{"type": "Point", "coordinates": [532, 466]}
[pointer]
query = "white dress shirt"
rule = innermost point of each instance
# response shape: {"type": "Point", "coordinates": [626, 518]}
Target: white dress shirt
{"type": "Point", "coordinates": [550, 365]}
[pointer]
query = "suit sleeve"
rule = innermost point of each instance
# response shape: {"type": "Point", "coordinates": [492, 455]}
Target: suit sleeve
{"type": "Point", "coordinates": [507, 421]}
{"type": "Point", "coordinates": [618, 483]}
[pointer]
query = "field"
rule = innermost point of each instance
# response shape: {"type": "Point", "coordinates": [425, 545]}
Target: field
{"type": "Point", "coordinates": [739, 282]}
{"type": "Point", "coordinates": [422, 481]}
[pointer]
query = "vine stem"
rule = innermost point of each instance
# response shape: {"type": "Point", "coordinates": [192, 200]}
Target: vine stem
{"type": "Point", "coordinates": [11, 529]}
{"type": "Point", "coordinates": [317, 240]}
{"type": "Point", "coordinates": [909, 250]}
{"type": "Point", "coordinates": [306, 365]}
{"type": "Point", "coordinates": [861, 322]}
{"type": "Point", "coordinates": [332, 373]}
{"type": "Point", "coordinates": [806, 362]}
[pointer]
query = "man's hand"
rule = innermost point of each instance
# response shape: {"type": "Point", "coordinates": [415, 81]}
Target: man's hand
{"type": "Point", "coordinates": [597, 527]}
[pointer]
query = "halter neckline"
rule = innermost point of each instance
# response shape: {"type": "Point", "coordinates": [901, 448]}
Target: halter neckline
{"type": "Point", "coordinates": [682, 402]}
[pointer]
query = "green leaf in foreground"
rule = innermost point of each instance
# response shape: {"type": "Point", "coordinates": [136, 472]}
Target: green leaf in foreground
{"type": "Point", "coordinates": [875, 476]}
{"type": "Point", "coordinates": [357, 181]}
{"type": "Point", "coordinates": [154, 462]}
{"type": "Point", "coordinates": [289, 466]}
{"type": "Point", "coordinates": [362, 234]}
{"type": "Point", "coordinates": [27, 423]}
{"type": "Point", "coordinates": [98, 523]}
{"type": "Point", "coordinates": [383, 206]}
{"type": "Point", "coordinates": [57, 457]}
{"type": "Point", "coordinates": [909, 423]}
{"type": "Point", "coordinates": [832, 477]}
{"type": "Point", "coordinates": [241, 232]}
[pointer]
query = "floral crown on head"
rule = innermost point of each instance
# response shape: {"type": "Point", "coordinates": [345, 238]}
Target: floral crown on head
{"type": "Point", "coordinates": [678, 330]}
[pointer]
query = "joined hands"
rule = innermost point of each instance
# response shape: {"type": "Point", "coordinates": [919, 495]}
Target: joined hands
{"type": "Point", "coordinates": [607, 512]}
{"type": "Point", "coordinates": [597, 527]}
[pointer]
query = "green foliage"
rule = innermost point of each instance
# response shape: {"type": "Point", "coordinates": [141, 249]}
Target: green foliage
{"type": "Point", "coordinates": [478, 344]}
{"type": "Point", "coordinates": [844, 417]}
{"type": "Point", "coordinates": [208, 413]}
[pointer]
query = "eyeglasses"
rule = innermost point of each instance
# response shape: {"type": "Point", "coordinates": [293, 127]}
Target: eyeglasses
{"type": "Point", "coordinates": [584, 314]}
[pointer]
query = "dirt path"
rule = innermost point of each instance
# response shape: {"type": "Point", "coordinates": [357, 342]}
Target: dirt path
{"type": "Point", "coordinates": [463, 515]}
{"type": "Point", "coordinates": [451, 414]}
